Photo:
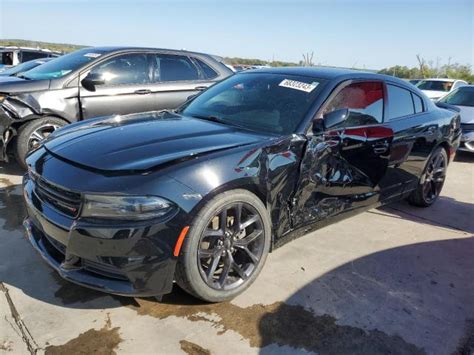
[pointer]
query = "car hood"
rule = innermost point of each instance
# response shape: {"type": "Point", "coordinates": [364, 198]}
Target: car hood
{"type": "Point", "coordinates": [143, 141]}
{"type": "Point", "coordinates": [9, 78]}
{"type": "Point", "coordinates": [15, 85]}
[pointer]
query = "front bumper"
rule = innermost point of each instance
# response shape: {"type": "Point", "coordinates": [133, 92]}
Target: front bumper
{"type": "Point", "coordinates": [124, 259]}
{"type": "Point", "coordinates": [467, 139]}
{"type": "Point", "coordinates": [5, 134]}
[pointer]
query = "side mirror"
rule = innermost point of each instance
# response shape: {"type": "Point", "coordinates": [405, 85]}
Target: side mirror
{"type": "Point", "coordinates": [335, 118]}
{"type": "Point", "coordinates": [91, 80]}
{"type": "Point", "coordinates": [330, 120]}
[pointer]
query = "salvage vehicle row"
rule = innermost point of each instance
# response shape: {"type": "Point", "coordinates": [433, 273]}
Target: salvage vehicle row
{"type": "Point", "coordinates": [93, 82]}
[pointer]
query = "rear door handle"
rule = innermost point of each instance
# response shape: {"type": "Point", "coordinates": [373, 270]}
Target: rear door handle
{"type": "Point", "coordinates": [143, 92]}
{"type": "Point", "coordinates": [200, 88]}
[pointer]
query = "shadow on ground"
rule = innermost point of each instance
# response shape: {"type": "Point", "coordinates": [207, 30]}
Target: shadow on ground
{"type": "Point", "coordinates": [464, 157]}
{"type": "Point", "coordinates": [450, 213]}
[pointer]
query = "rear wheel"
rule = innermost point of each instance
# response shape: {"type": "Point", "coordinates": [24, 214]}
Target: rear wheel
{"type": "Point", "coordinates": [432, 181]}
{"type": "Point", "coordinates": [226, 247]}
{"type": "Point", "coordinates": [32, 133]}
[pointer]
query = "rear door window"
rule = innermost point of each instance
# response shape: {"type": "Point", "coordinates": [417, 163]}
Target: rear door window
{"type": "Point", "coordinates": [364, 100]}
{"type": "Point", "coordinates": [400, 102]}
{"type": "Point", "coordinates": [124, 69]}
{"type": "Point", "coordinates": [169, 67]}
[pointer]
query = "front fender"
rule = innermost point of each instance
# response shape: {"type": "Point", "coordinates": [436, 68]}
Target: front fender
{"type": "Point", "coordinates": [269, 170]}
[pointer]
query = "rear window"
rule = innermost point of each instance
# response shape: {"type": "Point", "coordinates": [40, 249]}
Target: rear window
{"type": "Point", "coordinates": [400, 102]}
{"type": "Point", "coordinates": [435, 85]}
{"type": "Point", "coordinates": [27, 56]}
{"type": "Point", "coordinates": [418, 103]}
{"type": "Point", "coordinates": [6, 58]}
{"type": "Point", "coordinates": [208, 72]}
{"type": "Point", "coordinates": [460, 97]}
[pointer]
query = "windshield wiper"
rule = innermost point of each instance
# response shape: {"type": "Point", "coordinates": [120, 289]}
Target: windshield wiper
{"type": "Point", "coordinates": [221, 120]}
{"type": "Point", "coordinates": [211, 118]}
{"type": "Point", "coordinates": [21, 76]}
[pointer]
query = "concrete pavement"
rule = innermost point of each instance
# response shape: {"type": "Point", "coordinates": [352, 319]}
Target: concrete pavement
{"type": "Point", "coordinates": [397, 279]}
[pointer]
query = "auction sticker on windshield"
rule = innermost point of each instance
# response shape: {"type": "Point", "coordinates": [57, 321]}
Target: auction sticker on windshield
{"type": "Point", "coordinates": [92, 55]}
{"type": "Point", "coordinates": [298, 85]}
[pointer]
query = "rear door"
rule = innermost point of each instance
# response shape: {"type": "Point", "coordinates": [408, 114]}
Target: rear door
{"type": "Point", "coordinates": [414, 138]}
{"type": "Point", "coordinates": [177, 77]}
{"type": "Point", "coordinates": [127, 89]}
{"type": "Point", "coordinates": [344, 168]}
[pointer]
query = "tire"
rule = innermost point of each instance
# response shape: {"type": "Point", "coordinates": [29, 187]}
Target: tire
{"type": "Point", "coordinates": [193, 268]}
{"type": "Point", "coordinates": [432, 180]}
{"type": "Point", "coordinates": [25, 139]}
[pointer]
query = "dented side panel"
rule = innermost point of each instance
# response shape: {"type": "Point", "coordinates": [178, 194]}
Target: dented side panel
{"type": "Point", "coordinates": [341, 170]}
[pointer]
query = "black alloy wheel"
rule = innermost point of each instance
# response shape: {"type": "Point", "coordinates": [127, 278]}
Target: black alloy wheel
{"type": "Point", "coordinates": [231, 246]}
{"type": "Point", "coordinates": [226, 247]}
{"type": "Point", "coordinates": [432, 181]}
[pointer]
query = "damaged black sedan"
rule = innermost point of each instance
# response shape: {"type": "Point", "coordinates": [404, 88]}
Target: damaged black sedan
{"type": "Point", "coordinates": [129, 204]}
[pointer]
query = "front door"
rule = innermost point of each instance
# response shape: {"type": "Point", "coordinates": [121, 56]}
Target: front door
{"type": "Point", "coordinates": [343, 168]}
{"type": "Point", "coordinates": [127, 87]}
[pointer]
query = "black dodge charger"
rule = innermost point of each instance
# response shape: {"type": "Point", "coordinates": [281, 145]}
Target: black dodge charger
{"type": "Point", "coordinates": [129, 204]}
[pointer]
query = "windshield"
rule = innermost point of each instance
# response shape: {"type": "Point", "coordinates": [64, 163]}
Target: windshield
{"type": "Point", "coordinates": [263, 102]}
{"type": "Point", "coordinates": [461, 97]}
{"type": "Point", "coordinates": [63, 65]}
{"type": "Point", "coordinates": [435, 85]}
{"type": "Point", "coordinates": [20, 68]}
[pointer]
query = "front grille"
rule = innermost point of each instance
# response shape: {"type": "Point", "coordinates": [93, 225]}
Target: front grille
{"type": "Point", "coordinates": [467, 126]}
{"type": "Point", "coordinates": [59, 246]}
{"type": "Point", "coordinates": [64, 201]}
{"type": "Point", "coordinates": [103, 269]}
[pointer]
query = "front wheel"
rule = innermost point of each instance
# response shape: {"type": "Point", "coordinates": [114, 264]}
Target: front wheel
{"type": "Point", "coordinates": [32, 133]}
{"type": "Point", "coordinates": [226, 247]}
{"type": "Point", "coordinates": [432, 180]}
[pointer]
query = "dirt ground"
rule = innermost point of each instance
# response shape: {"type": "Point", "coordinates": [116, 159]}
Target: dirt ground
{"type": "Point", "coordinates": [396, 280]}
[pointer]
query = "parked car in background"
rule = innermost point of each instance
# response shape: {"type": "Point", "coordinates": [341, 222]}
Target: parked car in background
{"type": "Point", "coordinates": [414, 81]}
{"type": "Point", "coordinates": [11, 56]}
{"type": "Point", "coordinates": [19, 69]}
{"type": "Point", "coordinates": [463, 98]}
{"type": "Point", "coordinates": [436, 88]}
{"type": "Point", "coordinates": [127, 204]}
{"type": "Point", "coordinates": [94, 82]}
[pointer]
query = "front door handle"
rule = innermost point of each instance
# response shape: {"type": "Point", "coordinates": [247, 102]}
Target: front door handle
{"type": "Point", "coordinates": [380, 147]}
{"type": "Point", "coordinates": [143, 92]}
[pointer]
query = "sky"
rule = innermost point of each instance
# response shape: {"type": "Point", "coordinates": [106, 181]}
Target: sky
{"type": "Point", "coordinates": [363, 34]}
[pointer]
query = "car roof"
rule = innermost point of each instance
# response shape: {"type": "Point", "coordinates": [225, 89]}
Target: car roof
{"type": "Point", "coordinates": [442, 79]}
{"type": "Point", "coordinates": [466, 87]}
{"type": "Point", "coordinates": [328, 73]}
{"type": "Point", "coordinates": [111, 49]}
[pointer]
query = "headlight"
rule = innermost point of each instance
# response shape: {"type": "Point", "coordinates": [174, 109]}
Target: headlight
{"type": "Point", "coordinates": [125, 207]}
